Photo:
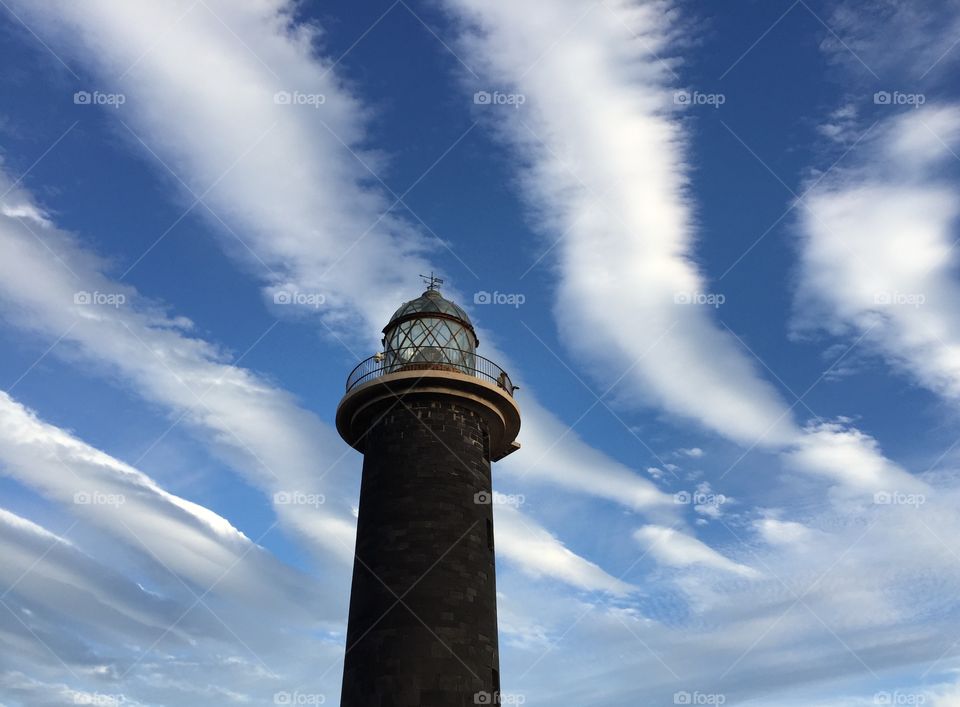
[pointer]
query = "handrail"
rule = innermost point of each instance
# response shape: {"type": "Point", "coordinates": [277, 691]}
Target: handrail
{"type": "Point", "coordinates": [413, 358]}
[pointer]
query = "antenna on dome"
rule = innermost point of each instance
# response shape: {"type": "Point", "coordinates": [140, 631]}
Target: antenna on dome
{"type": "Point", "coordinates": [432, 282]}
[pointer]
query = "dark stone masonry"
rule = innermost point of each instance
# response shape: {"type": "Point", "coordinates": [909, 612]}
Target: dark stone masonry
{"type": "Point", "coordinates": [423, 615]}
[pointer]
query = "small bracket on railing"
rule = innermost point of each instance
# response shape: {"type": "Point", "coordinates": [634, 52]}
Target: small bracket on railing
{"type": "Point", "coordinates": [503, 380]}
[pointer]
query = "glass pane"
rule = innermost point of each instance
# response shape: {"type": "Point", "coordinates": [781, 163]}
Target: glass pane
{"type": "Point", "coordinates": [430, 340]}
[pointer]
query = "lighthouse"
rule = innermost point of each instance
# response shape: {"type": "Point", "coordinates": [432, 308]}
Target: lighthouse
{"type": "Point", "coordinates": [429, 415]}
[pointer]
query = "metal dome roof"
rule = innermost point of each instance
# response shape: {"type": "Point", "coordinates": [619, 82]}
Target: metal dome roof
{"type": "Point", "coordinates": [430, 302]}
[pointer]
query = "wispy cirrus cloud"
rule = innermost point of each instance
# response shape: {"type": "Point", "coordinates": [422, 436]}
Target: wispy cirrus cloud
{"type": "Point", "coordinates": [293, 187]}
{"type": "Point", "coordinates": [877, 251]}
{"type": "Point", "coordinates": [788, 589]}
{"type": "Point", "coordinates": [294, 202]}
{"type": "Point", "coordinates": [538, 553]}
{"type": "Point", "coordinates": [260, 430]}
{"type": "Point", "coordinates": [678, 550]}
{"type": "Point", "coordinates": [707, 625]}
{"type": "Point", "coordinates": [605, 171]}
{"type": "Point", "coordinates": [149, 576]}
{"type": "Point", "coordinates": [178, 535]}
{"type": "Point", "coordinates": [607, 177]}
{"type": "Point", "coordinates": [905, 41]}
{"type": "Point", "coordinates": [257, 428]}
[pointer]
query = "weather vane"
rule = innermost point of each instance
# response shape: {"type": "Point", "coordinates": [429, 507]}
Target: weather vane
{"type": "Point", "coordinates": [432, 282]}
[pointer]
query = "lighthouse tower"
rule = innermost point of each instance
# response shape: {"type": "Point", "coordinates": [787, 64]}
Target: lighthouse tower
{"type": "Point", "coordinates": [429, 416]}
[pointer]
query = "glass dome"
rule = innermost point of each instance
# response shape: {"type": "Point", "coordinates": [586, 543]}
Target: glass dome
{"type": "Point", "coordinates": [430, 332]}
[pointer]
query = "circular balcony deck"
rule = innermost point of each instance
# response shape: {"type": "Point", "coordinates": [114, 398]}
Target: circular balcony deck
{"type": "Point", "coordinates": [384, 380]}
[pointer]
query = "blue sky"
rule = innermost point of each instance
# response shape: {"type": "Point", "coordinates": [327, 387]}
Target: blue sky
{"type": "Point", "coordinates": [728, 243]}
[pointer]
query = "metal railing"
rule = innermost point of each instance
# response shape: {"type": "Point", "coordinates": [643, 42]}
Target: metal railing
{"type": "Point", "coordinates": [423, 358]}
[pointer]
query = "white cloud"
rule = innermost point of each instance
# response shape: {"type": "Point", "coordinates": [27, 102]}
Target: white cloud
{"type": "Point", "coordinates": [182, 537]}
{"type": "Point", "coordinates": [608, 171]}
{"type": "Point", "coordinates": [539, 553]}
{"type": "Point", "coordinates": [75, 627]}
{"type": "Point", "coordinates": [299, 198]}
{"type": "Point", "coordinates": [676, 549]}
{"type": "Point", "coordinates": [841, 125]}
{"type": "Point", "coordinates": [846, 455]}
{"type": "Point", "coordinates": [735, 401]}
{"type": "Point", "coordinates": [554, 454]}
{"type": "Point", "coordinates": [877, 253]}
{"type": "Point", "coordinates": [280, 175]}
{"type": "Point", "coordinates": [947, 697]}
{"type": "Point", "coordinates": [259, 429]}
{"type": "Point", "coordinates": [605, 169]}
{"type": "Point", "coordinates": [50, 572]}
{"type": "Point", "coordinates": [46, 694]}
{"type": "Point", "coordinates": [863, 587]}
{"type": "Point", "coordinates": [895, 41]}
{"type": "Point", "coordinates": [24, 210]}
{"type": "Point", "coordinates": [783, 532]}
